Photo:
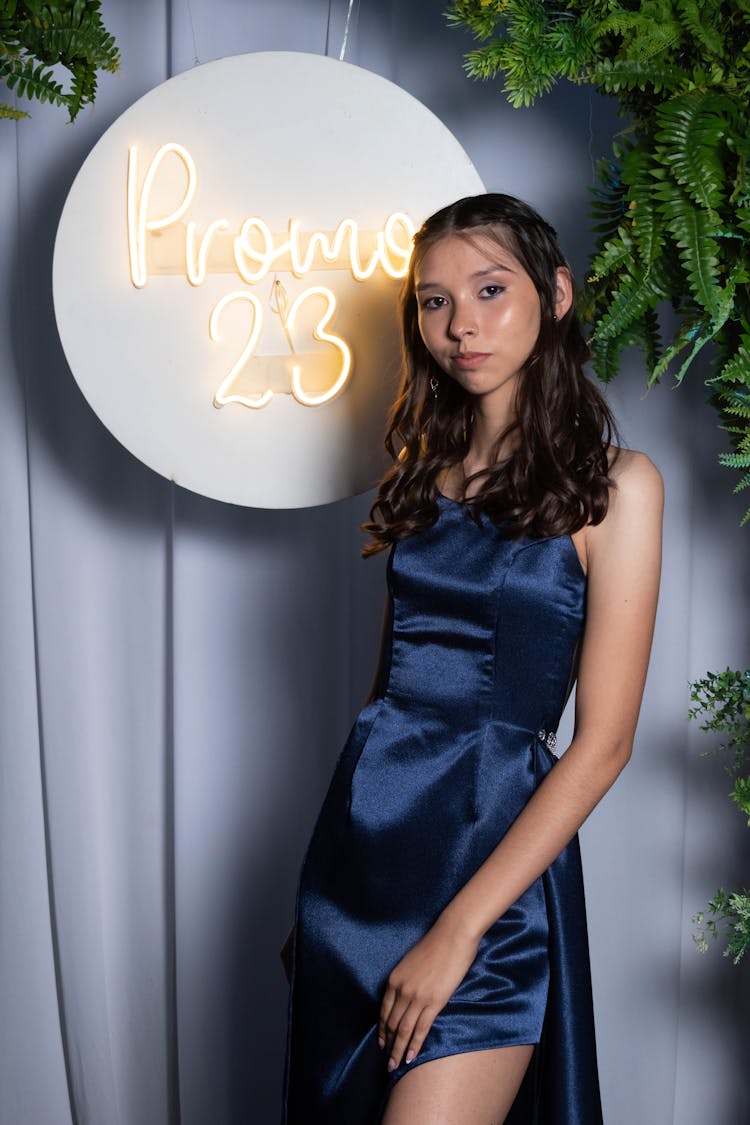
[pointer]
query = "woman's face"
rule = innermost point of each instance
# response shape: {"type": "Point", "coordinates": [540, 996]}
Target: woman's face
{"type": "Point", "coordinates": [479, 314]}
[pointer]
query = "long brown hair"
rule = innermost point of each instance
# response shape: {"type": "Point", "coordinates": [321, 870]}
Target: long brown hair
{"type": "Point", "coordinates": [556, 479]}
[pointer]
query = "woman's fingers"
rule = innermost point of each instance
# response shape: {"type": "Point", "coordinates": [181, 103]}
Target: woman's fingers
{"type": "Point", "coordinates": [418, 987]}
{"type": "Point", "coordinates": [401, 1035]}
{"type": "Point", "coordinates": [419, 1034]}
{"type": "Point", "coordinates": [385, 1011]}
{"type": "Point", "coordinates": [392, 1017]}
{"type": "Point", "coordinates": [403, 1026]}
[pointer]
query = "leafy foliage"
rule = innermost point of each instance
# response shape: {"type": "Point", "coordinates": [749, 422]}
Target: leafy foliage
{"type": "Point", "coordinates": [36, 36]}
{"type": "Point", "coordinates": [723, 699]}
{"type": "Point", "coordinates": [672, 209]}
{"type": "Point", "coordinates": [733, 909]}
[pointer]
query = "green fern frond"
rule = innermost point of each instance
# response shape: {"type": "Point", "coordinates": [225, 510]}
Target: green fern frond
{"type": "Point", "coordinates": [737, 368]}
{"type": "Point", "coordinates": [625, 23]}
{"type": "Point", "coordinates": [698, 344]}
{"type": "Point", "coordinates": [687, 334]}
{"type": "Point", "coordinates": [614, 76]}
{"type": "Point", "coordinates": [695, 232]}
{"type": "Point", "coordinates": [10, 113]}
{"type": "Point", "coordinates": [736, 409]}
{"type": "Point", "coordinates": [690, 129]}
{"type": "Point", "coordinates": [629, 302]}
{"type": "Point", "coordinates": [642, 333]}
{"type": "Point", "coordinates": [481, 19]}
{"type": "Point", "coordinates": [609, 202]}
{"type": "Point", "coordinates": [651, 337]}
{"type": "Point", "coordinates": [605, 357]}
{"type": "Point", "coordinates": [82, 90]}
{"type": "Point", "coordinates": [740, 436]}
{"type": "Point", "coordinates": [699, 22]}
{"type": "Point", "coordinates": [614, 254]}
{"type": "Point", "coordinates": [735, 460]}
{"type": "Point", "coordinates": [31, 81]}
{"type": "Point", "coordinates": [646, 224]}
{"type": "Point", "coordinates": [654, 39]}
{"type": "Point", "coordinates": [733, 401]}
{"type": "Point", "coordinates": [36, 35]}
{"type": "Point", "coordinates": [699, 334]}
{"type": "Point", "coordinates": [65, 42]}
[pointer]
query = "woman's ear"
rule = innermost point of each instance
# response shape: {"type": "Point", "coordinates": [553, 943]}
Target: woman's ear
{"type": "Point", "coordinates": [563, 291]}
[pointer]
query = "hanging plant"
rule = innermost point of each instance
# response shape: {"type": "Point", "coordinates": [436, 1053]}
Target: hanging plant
{"type": "Point", "coordinates": [723, 698]}
{"type": "Point", "coordinates": [672, 209]}
{"type": "Point", "coordinates": [37, 36]}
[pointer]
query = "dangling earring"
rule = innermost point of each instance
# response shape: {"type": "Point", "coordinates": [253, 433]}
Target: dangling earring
{"type": "Point", "coordinates": [434, 384]}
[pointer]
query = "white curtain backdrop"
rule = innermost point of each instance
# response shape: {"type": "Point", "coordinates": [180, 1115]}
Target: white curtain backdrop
{"type": "Point", "coordinates": [178, 675]}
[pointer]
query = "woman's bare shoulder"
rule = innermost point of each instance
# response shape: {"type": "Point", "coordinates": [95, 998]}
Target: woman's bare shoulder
{"type": "Point", "coordinates": [634, 471]}
{"type": "Point", "coordinates": [635, 503]}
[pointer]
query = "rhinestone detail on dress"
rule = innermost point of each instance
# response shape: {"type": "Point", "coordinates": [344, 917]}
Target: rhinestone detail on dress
{"type": "Point", "coordinates": [548, 737]}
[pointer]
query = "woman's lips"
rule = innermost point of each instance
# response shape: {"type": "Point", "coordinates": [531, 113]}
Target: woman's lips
{"type": "Point", "coordinates": [469, 359]}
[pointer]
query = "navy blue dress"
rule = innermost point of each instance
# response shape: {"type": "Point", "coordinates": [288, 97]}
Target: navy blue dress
{"type": "Point", "coordinates": [482, 656]}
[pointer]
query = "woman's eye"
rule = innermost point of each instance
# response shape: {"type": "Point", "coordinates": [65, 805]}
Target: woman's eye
{"type": "Point", "coordinates": [433, 302]}
{"type": "Point", "coordinates": [492, 290]}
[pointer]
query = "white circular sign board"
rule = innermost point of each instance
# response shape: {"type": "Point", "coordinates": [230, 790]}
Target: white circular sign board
{"type": "Point", "coordinates": [227, 269]}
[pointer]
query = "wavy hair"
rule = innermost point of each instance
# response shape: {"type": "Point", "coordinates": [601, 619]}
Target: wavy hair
{"type": "Point", "coordinates": [557, 478]}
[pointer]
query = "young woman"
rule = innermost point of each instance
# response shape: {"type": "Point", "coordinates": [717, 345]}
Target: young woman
{"type": "Point", "coordinates": [440, 942]}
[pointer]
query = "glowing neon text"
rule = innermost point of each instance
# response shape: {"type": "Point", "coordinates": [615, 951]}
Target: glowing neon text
{"type": "Point", "coordinates": [256, 249]}
{"type": "Point", "coordinates": [164, 244]}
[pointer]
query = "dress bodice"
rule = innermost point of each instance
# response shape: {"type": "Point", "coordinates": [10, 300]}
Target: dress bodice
{"type": "Point", "coordinates": [484, 622]}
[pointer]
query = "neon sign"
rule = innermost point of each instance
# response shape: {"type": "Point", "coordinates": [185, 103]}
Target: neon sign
{"type": "Point", "coordinates": [166, 245]}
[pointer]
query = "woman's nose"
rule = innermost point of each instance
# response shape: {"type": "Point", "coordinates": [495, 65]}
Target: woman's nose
{"type": "Point", "coordinates": [462, 322]}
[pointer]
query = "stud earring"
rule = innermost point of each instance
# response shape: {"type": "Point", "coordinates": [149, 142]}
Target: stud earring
{"type": "Point", "coordinates": [434, 384]}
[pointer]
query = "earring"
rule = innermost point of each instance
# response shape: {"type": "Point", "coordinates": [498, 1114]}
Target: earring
{"type": "Point", "coordinates": [434, 384]}
{"type": "Point", "coordinates": [554, 317]}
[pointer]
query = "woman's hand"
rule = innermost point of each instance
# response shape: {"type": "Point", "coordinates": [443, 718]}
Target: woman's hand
{"type": "Point", "coordinates": [420, 986]}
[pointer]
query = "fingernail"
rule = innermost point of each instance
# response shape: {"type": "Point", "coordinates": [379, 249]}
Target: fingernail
{"type": "Point", "coordinates": [409, 1057]}
{"type": "Point", "coordinates": [381, 1041]}
{"type": "Point", "coordinates": [391, 1064]}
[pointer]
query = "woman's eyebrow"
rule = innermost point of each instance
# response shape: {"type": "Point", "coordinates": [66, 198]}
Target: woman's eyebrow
{"type": "Point", "coordinates": [497, 268]}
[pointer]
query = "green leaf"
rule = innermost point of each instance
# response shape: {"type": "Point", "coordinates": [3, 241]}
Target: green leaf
{"type": "Point", "coordinates": [697, 20]}
{"type": "Point", "coordinates": [36, 35]}
{"type": "Point", "coordinates": [630, 301]}
{"type": "Point", "coordinates": [615, 76]}
{"type": "Point", "coordinates": [735, 460]}
{"type": "Point", "coordinates": [646, 223]}
{"type": "Point", "coordinates": [695, 232]}
{"type": "Point", "coordinates": [738, 367]}
{"type": "Point", "coordinates": [691, 130]}
{"type": "Point", "coordinates": [688, 334]}
{"type": "Point", "coordinates": [613, 254]}
{"type": "Point", "coordinates": [9, 112]}
{"type": "Point", "coordinates": [32, 82]}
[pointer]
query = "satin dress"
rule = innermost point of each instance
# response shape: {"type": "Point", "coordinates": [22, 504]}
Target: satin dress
{"type": "Point", "coordinates": [479, 661]}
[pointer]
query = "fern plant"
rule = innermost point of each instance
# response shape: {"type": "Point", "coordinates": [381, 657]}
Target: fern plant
{"type": "Point", "coordinates": [36, 36]}
{"type": "Point", "coordinates": [672, 206]}
{"type": "Point", "coordinates": [723, 700]}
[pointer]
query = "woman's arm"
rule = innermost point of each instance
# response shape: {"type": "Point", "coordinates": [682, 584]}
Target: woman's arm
{"type": "Point", "coordinates": [624, 561]}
